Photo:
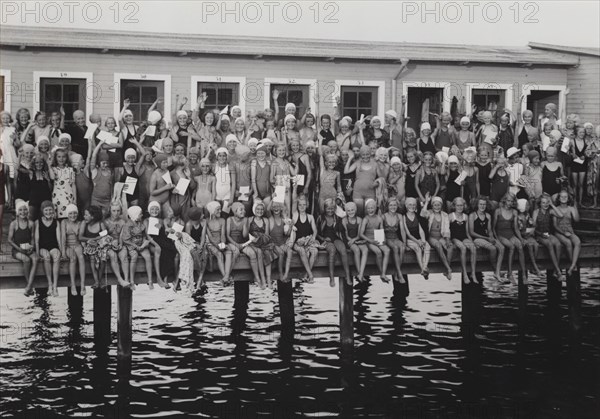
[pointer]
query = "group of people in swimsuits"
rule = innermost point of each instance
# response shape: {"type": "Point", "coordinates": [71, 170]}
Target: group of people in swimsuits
{"type": "Point", "coordinates": [218, 184]}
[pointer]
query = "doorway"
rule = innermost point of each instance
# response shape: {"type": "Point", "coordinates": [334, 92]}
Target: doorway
{"type": "Point", "coordinates": [416, 105]}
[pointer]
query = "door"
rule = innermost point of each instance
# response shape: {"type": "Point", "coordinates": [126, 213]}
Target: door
{"type": "Point", "coordinates": [417, 100]}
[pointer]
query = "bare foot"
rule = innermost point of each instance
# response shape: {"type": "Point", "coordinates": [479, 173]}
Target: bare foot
{"type": "Point", "coordinates": [465, 278]}
{"type": "Point", "coordinates": [332, 282]}
{"type": "Point", "coordinates": [132, 286]}
{"type": "Point", "coordinates": [497, 276]}
{"type": "Point", "coordinates": [28, 292]}
{"type": "Point", "coordinates": [511, 278]}
{"type": "Point", "coordinates": [571, 270]}
{"type": "Point", "coordinates": [448, 275]}
{"type": "Point", "coordinates": [285, 279]}
{"type": "Point", "coordinates": [311, 279]}
{"type": "Point", "coordinates": [83, 291]}
{"type": "Point", "coordinates": [150, 285]}
{"type": "Point", "coordinates": [385, 279]}
{"type": "Point", "coordinates": [560, 277]}
{"type": "Point", "coordinates": [538, 272]}
{"type": "Point", "coordinates": [349, 280]}
{"type": "Point", "coordinates": [123, 283]}
{"type": "Point", "coordinates": [95, 285]}
{"type": "Point", "coordinates": [73, 290]}
{"type": "Point", "coordinates": [474, 279]}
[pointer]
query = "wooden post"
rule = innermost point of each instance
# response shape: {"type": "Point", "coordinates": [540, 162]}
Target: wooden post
{"type": "Point", "coordinates": [241, 291]}
{"type": "Point", "coordinates": [574, 298]}
{"type": "Point", "coordinates": [286, 308]}
{"type": "Point", "coordinates": [124, 325]}
{"type": "Point", "coordinates": [102, 316]}
{"type": "Point", "coordinates": [401, 291]}
{"type": "Point", "coordinates": [346, 315]}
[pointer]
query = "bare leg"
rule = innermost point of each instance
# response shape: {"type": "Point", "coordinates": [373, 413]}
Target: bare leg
{"type": "Point", "coordinates": [148, 259]}
{"type": "Point", "coordinates": [576, 250]}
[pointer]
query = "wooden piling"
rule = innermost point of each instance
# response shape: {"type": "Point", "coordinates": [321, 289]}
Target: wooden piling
{"type": "Point", "coordinates": [75, 302]}
{"type": "Point", "coordinates": [285, 296]}
{"type": "Point", "coordinates": [124, 324]}
{"type": "Point", "coordinates": [346, 307]}
{"type": "Point", "coordinates": [102, 316]}
{"type": "Point", "coordinates": [574, 298]}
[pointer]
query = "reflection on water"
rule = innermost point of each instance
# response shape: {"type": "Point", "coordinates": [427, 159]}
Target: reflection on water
{"type": "Point", "coordinates": [440, 352]}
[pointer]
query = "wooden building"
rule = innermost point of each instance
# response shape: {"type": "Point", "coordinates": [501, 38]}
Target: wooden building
{"type": "Point", "coordinates": [43, 68]}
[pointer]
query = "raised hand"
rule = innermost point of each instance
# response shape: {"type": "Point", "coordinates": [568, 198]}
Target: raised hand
{"type": "Point", "coordinates": [126, 103]}
{"type": "Point", "coordinates": [275, 94]}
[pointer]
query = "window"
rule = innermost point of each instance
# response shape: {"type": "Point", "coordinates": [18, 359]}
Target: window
{"type": "Point", "coordinates": [357, 100]}
{"type": "Point", "coordinates": [219, 94]}
{"type": "Point", "coordinates": [68, 93]}
{"type": "Point", "coordinates": [485, 99]}
{"type": "Point", "coordinates": [141, 95]}
{"type": "Point", "coordinates": [290, 93]}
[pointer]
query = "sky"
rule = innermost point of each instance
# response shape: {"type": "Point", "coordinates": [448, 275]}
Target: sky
{"type": "Point", "coordinates": [506, 23]}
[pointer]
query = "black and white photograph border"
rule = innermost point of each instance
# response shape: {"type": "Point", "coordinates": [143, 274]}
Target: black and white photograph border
{"type": "Point", "coordinates": [300, 209]}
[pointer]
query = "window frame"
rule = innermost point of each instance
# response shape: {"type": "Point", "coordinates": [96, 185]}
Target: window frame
{"type": "Point", "coordinates": [151, 83]}
{"type": "Point", "coordinates": [379, 84]}
{"type": "Point", "coordinates": [508, 94]}
{"type": "Point", "coordinates": [311, 83]}
{"type": "Point", "coordinates": [357, 90]}
{"type": "Point", "coordinates": [7, 100]}
{"type": "Point", "coordinates": [90, 90]}
{"type": "Point", "coordinates": [165, 78]}
{"type": "Point", "coordinates": [241, 81]}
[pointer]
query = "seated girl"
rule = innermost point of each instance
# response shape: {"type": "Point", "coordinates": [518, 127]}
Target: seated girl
{"type": "Point", "coordinates": [96, 242]}
{"type": "Point", "coordinates": [415, 236]}
{"type": "Point", "coordinates": [525, 224]}
{"type": "Point", "coordinates": [114, 225]}
{"type": "Point", "coordinates": [480, 230]}
{"type": "Point", "coordinates": [507, 232]}
{"type": "Point", "coordinates": [280, 234]}
{"type": "Point", "coordinates": [542, 220]}
{"type": "Point", "coordinates": [237, 241]}
{"type": "Point", "coordinates": [370, 223]}
{"type": "Point", "coordinates": [330, 233]}
{"type": "Point", "coordinates": [394, 237]}
{"type": "Point", "coordinates": [47, 239]}
{"type": "Point", "coordinates": [357, 246]}
{"type": "Point", "coordinates": [459, 233]}
{"type": "Point", "coordinates": [134, 241]}
{"type": "Point", "coordinates": [258, 229]}
{"type": "Point", "coordinates": [71, 246]}
{"type": "Point", "coordinates": [563, 228]}
{"type": "Point", "coordinates": [216, 241]}
{"type": "Point", "coordinates": [305, 233]}
{"type": "Point", "coordinates": [21, 239]}
{"type": "Point", "coordinates": [439, 230]}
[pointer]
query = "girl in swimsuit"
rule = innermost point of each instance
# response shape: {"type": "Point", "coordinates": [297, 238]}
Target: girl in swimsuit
{"type": "Point", "coordinates": [415, 236]}
{"type": "Point", "coordinates": [225, 184]}
{"type": "Point", "coordinates": [459, 232]}
{"type": "Point", "coordinates": [260, 176]}
{"type": "Point", "coordinates": [21, 239]}
{"type": "Point", "coordinates": [507, 232]}
{"type": "Point", "coordinates": [281, 173]}
{"type": "Point", "coordinates": [330, 186]}
{"type": "Point", "coordinates": [280, 232]}
{"type": "Point", "coordinates": [370, 223]}
{"type": "Point", "coordinates": [71, 247]}
{"type": "Point", "coordinates": [47, 239]}
{"type": "Point", "coordinates": [542, 220]}
{"type": "Point", "coordinates": [304, 237]}
{"type": "Point", "coordinates": [216, 241]}
{"type": "Point", "coordinates": [578, 170]}
{"type": "Point", "coordinates": [563, 228]}
{"type": "Point", "coordinates": [357, 245]}
{"type": "Point", "coordinates": [480, 229]}
{"type": "Point", "coordinates": [392, 228]}
{"type": "Point", "coordinates": [367, 178]}
{"type": "Point", "coordinates": [439, 230]}
{"type": "Point", "coordinates": [427, 179]}
{"type": "Point", "coordinates": [330, 232]}
{"type": "Point", "coordinates": [205, 191]}
{"type": "Point", "coordinates": [237, 235]}
{"type": "Point", "coordinates": [135, 242]}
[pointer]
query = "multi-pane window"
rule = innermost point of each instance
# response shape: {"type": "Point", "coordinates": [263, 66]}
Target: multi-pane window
{"type": "Point", "coordinates": [491, 99]}
{"type": "Point", "coordinates": [219, 95]}
{"type": "Point", "coordinates": [68, 93]}
{"type": "Point", "coordinates": [141, 95]}
{"type": "Point", "coordinates": [290, 93]}
{"type": "Point", "coordinates": [358, 100]}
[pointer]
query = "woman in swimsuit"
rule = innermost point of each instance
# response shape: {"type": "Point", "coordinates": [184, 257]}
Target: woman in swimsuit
{"type": "Point", "coordinates": [20, 238]}
{"type": "Point", "coordinates": [563, 228]}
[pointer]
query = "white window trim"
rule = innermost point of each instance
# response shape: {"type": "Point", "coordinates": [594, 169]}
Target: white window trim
{"type": "Point", "coordinates": [312, 86]}
{"type": "Point", "coordinates": [445, 85]}
{"type": "Point", "coordinates": [507, 87]}
{"type": "Point", "coordinates": [165, 78]}
{"type": "Point", "coordinates": [90, 91]}
{"type": "Point", "coordinates": [562, 97]}
{"type": "Point", "coordinates": [380, 84]}
{"type": "Point", "coordinates": [219, 79]}
{"type": "Point", "coordinates": [7, 89]}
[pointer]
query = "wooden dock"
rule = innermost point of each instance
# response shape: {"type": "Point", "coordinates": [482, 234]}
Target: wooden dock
{"type": "Point", "coordinates": [11, 278]}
